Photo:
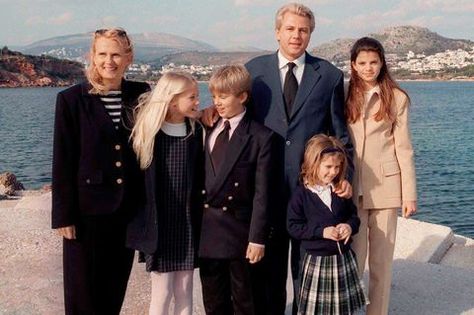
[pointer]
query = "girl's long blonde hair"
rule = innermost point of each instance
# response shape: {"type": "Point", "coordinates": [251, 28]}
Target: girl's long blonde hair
{"type": "Point", "coordinates": [317, 148]}
{"type": "Point", "coordinates": [151, 111]}
{"type": "Point", "coordinates": [93, 76]}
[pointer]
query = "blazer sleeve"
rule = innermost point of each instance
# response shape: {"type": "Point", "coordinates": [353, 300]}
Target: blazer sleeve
{"type": "Point", "coordinates": [404, 149]}
{"type": "Point", "coordinates": [259, 222]}
{"type": "Point", "coordinates": [297, 223]}
{"type": "Point", "coordinates": [353, 219]}
{"type": "Point", "coordinates": [339, 123]}
{"type": "Point", "coordinates": [65, 206]}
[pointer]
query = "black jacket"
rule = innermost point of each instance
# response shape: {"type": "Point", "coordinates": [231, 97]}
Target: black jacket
{"type": "Point", "coordinates": [94, 168]}
{"type": "Point", "coordinates": [308, 216]}
{"type": "Point", "coordinates": [236, 197]}
{"type": "Point", "coordinates": [142, 232]}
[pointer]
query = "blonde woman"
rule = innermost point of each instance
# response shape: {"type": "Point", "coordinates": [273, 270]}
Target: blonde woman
{"type": "Point", "coordinates": [169, 146]}
{"type": "Point", "coordinates": [96, 181]}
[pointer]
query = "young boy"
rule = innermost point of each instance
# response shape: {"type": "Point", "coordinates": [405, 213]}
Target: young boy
{"type": "Point", "coordinates": [234, 225]}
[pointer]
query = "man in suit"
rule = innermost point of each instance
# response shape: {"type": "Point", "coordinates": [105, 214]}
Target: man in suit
{"type": "Point", "coordinates": [234, 225]}
{"type": "Point", "coordinates": [296, 104]}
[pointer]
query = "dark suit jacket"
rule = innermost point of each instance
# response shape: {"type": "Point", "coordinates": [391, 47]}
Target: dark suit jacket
{"type": "Point", "coordinates": [236, 197]}
{"type": "Point", "coordinates": [308, 216]}
{"type": "Point", "coordinates": [142, 232]}
{"type": "Point", "coordinates": [318, 108]}
{"type": "Point", "coordinates": [94, 168]}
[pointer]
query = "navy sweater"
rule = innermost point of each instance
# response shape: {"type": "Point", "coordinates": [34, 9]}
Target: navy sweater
{"type": "Point", "coordinates": [308, 216]}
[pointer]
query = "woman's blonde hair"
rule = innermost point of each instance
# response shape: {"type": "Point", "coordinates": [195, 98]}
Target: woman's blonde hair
{"type": "Point", "coordinates": [93, 76]}
{"type": "Point", "coordinates": [318, 148]}
{"type": "Point", "coordinates": [151, 111]}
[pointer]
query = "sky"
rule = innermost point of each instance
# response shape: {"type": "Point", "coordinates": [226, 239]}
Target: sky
{"type": "Point", "coordinates": [227, 23]}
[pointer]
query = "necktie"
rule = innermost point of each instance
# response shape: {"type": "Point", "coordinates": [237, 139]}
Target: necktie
{"type": "Point", "coordinates": [220, 147]}
{"type": "Point", "coordinates": [290, 87]}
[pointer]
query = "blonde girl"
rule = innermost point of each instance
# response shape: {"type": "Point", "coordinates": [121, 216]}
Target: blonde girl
{"type": "Point", "coordinates": [168, 142]}
{"type": "Point", "coordinates": [384, 181]}
{"type": "Point", "coordinates": [324, 223]}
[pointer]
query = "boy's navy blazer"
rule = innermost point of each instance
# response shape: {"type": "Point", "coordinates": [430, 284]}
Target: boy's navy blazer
{"type": "Point", "coordinates": [94, 168]}
{"type": "Point", "coordinates": [236, 197]}
{"type": "Point", "coordinates": [142, 232]}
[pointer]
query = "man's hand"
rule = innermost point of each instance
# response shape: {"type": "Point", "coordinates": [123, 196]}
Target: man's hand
{"type": "Point", "coordinates": [255, 253]}
{"type": "Point", "coordinates": [344, 190]}
{"type": "Point", "coordinates": [68, 232]}
{"type": "Point", "coordinates": [209, 116]}
{"type": "Point", "coordinates": [408, 208]}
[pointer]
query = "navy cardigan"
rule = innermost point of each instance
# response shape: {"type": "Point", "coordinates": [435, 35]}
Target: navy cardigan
{"type": "Point", "coordinates": [308, 216]}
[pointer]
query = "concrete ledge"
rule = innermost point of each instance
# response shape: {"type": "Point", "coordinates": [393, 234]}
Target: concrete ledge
{"type": "Point", "coordinates": [428, 289]}
{"type": "Point", "coordinates": [421, 241]}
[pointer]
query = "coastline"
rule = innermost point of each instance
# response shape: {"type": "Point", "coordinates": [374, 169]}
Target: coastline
{"type": "Point", "coordinates": [471, 79]}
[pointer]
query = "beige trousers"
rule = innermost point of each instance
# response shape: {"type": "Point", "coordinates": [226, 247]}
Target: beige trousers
{"type": "Point", "coordinates": [376, 238]}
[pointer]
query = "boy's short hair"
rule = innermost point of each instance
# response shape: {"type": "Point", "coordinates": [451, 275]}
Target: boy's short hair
{"type": "Point", "coordinates": [233, 79]}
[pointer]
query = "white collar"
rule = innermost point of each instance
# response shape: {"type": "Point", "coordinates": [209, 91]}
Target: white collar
{"type": "Point", "coordinates": [282, 61]}
{"type": "Point", "coordinates": [318, 189]}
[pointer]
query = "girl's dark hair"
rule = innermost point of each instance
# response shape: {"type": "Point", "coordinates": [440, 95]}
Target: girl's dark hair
{"type": "Point", "coordinates": [387, 84]}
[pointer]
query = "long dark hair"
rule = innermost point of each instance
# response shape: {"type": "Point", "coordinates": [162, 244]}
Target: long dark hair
{"type": "Point", "coordinates": [387, 84]}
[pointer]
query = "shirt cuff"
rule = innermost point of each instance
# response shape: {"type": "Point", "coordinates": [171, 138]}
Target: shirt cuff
{"type": "Point", "coordinates": [257, 245]}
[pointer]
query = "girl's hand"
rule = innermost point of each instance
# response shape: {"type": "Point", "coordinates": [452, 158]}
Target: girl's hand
{"type": "Point", "coordinates": [344, 190]}
{"type": "Point", "coordinates": [345, 231]}
{"type": "Point", "coordinates": [68, 232]}
{"type": "Point", "coordinates": [209, 116]}
{"type": "Point", "coordinates": [255, 253]}
{"type": "Point", "coordinates": [408, 208]}
{"type": "Point", "coordinates": [331, 233]}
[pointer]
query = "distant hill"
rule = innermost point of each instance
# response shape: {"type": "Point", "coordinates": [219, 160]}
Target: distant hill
{"type": "Point", "coordinates": [148, 46]}
{"type": "Point", "coordinates": [18, 70]}
{"type": "Point", "coordinates": [208, 58]}
{"type": "Point", "coordinates": [396, 40]}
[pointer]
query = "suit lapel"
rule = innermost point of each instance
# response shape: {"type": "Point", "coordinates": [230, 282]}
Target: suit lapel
{"type": "Point", "coordinates": [96, 109]}
{"type": "Point", "coordinates": [274, 83]}
{"type": "Point", "coordinates": [308, 81]}
{"type": "Point", "coordinates": [237, 143]}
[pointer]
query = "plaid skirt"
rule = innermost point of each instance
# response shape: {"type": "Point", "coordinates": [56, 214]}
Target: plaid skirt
{"type": "Point", "coordinates": [330, 285]}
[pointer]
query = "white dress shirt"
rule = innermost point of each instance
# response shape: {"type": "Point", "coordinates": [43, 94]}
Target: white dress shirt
{"type": "Point", "coordinates": [234, 122]}
{"type": "Point", "coordinates": [298, 70]}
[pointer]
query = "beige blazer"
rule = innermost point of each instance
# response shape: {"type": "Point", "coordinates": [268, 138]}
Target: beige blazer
{"type": "Point", "coordinates": [383, 156]}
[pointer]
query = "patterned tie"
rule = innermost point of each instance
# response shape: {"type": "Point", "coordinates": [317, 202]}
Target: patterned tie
{"type": "Point", "coordinates": [220, 147]}
{"type": "Point", "coordinates": [290, 87]}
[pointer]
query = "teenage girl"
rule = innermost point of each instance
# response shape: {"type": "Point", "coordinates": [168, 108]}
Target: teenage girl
{"type": "Point", "coordinates": [324, 223]}
{"type": "Point", "coordinates": [384, 181]}
{"type": "Point", "coordinates": [168, 142]}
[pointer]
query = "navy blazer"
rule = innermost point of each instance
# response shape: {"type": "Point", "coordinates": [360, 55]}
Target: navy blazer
{"type": "Point", "coordinates": [236, 197]}
{"type": "Point", "coordinates": [94, 168]}
{"type": "Point", "coordinates": [142, 232]}
{"type": "Point", "coordinates": [308, 216]}
{"type": "Point", "coordinates": [318, 108]}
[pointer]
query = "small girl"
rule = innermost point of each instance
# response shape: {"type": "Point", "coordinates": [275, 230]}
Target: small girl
{"type": "Point", "coordinates": [377, 112]}
{"type": "Point", "coordinates": [168, 142]}
{"type": "Point", "coordinates": [324, 223]}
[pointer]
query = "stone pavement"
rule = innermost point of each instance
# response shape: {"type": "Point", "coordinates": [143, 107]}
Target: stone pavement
{"type": "Point", "coordinates": [433, 269]}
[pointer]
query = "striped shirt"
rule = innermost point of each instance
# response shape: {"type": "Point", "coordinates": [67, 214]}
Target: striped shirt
{"type": "Point", "coordinates": [113, 105]}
